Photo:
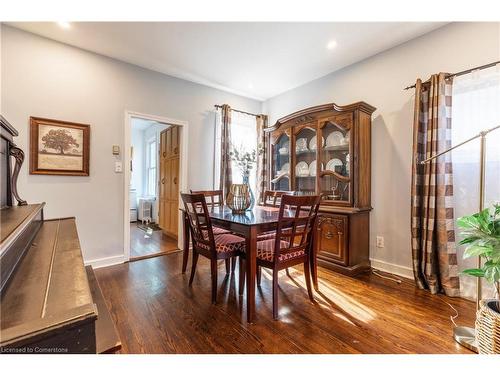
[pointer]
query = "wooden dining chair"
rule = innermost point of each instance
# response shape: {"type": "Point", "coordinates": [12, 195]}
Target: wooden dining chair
{"type": "Point", "coordinates": [272, 198]}
{"type": "Point", "coordinates": [223, 246]}
{"type": "Point", "coordinates": [215, 198]}
{"type": "Point", "coordinates": [291, 245]}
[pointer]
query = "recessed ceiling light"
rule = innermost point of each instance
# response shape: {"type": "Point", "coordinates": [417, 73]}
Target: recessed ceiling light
{"type": "Point", "coordinates": [64, 25]}
{"type": "Point", "coordinates": [331, 44]}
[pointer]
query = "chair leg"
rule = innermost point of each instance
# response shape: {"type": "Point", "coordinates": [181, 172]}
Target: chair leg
{"type": "Point", "coordinates": [213, 271]}
{"type": "Point", "coordinates": [275, 294]}
{"type": "Point", "coordinates": [259, 275]}
{"type": "Point", "coordinates": [185, 253]}
{"type": "Point", "coordinates": [242, 276]}
{"type": "Point", "coordinates": [185, 256]}
{"type": "Point", "coordinates": [287, 273]}
{"type": "Point", "coordinates": [313, 264]}
{"type": "Point", "coordinates": [233, 264]}
{"type": "Point", "coordinates": [307, 275]}
{"type": "Point", "coordinates": [228, 265]}
{"type": "Point", "coordinates": [193, 267]}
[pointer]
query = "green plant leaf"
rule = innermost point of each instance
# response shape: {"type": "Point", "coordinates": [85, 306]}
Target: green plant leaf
{"type": "Point", "coordinates": [496, 209]}
{"type": "Point", "coordinates": [475, 250]}
{"type": "Point", "coordinates": [470, 239]}
{"type": "Point", "coordinates": [478, 272]}
{"type": "Point", "coordinates": [470, 222]}
{"type": "Point", "coordinates": [492, 272]}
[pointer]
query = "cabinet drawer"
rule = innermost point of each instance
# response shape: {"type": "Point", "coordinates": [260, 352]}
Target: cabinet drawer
{"type": "Point", "coordinates": [331, 240]}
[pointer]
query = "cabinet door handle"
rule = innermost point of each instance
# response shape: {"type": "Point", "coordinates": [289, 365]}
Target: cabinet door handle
{"type": "Point", "coordinates": [175, 180]}
{"type": "Point", "coordinates": [176, 150]}
{"type": "Point", "coordinates": [163, 180]}
{"type": "Point", "coordinates": [328, 235]}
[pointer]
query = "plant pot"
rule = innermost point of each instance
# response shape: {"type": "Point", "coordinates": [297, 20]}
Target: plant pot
{"type": "Point", "coordinates": [488, 327]}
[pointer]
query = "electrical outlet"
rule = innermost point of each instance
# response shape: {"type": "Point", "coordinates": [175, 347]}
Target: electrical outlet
{"type": "Point", "coordinates": [380, 241]}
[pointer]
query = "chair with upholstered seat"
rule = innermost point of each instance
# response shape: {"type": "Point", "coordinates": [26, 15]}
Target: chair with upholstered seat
{"type": "Point", "coordinates": [214, 247]}
{"type": "Point", "coordinates": [215, 198]}
{"type": "Point", "coordinates": [291, 244]}
{"type": "Point", "coordinates": [272, 198]}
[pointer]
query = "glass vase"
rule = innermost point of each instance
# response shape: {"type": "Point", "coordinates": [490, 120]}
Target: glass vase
{"type": "Point", "coordinates": [246, 181]}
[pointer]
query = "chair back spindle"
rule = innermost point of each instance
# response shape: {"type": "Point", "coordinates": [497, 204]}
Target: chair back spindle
{"type": "Point", "coordinates": [297, 219]}
{"type": "Point", "coordinates": [272, 198]}
{"type": "Point", "coordinates": [200, 224]}
{"type": "Point", "coordinates": [214, 198]}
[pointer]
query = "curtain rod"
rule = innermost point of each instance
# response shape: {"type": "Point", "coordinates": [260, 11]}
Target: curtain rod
{"type": "Point", "coordinates": [237, 110]}
{"type": "Point", "coordinates": [463, 72]}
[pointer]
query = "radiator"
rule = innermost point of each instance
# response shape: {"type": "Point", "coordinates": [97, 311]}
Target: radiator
{"type": "Point", "coordinates": [145, 209]}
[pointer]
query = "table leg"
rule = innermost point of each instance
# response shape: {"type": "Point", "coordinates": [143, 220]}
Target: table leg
{"type": "Point", "coordinates": [251, 264]}
{"type": "Point", "coordinates": [185, 253]}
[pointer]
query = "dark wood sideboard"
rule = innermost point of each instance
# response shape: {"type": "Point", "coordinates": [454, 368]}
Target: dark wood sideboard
{"type": "Point", "coordinates": [50, 302]}
{"type": "Point", "coordinates": [326, 150]}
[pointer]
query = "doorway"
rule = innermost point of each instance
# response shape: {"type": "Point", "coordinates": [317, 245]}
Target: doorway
{"type": "Point", "coordinates": [154, 176]}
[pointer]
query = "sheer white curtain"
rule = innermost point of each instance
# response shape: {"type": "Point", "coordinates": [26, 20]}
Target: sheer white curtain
{"type": "Point", "coordinates": [243, 135]}
{"type": "Point", "coordinates": [475, 107]}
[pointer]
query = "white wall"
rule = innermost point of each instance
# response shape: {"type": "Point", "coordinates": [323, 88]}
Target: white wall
{"type": "Point", "coordinates": [379, 81]}
{"type": "Point", "coordinates": [40, 77]}
{"type": "Point", "coordinates": [137, 176]}
{"type": "Point", "coordinates": [44, 78]}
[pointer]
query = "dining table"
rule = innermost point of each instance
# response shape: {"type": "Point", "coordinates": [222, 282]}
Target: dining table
{"type": "Point", "coordinates": [249, 225]}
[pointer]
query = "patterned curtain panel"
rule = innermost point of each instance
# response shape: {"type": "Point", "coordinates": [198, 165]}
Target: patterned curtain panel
{"type": "Point", "coordinates": [225, 165]}
{"type": "Point", "coordinates": [433, 236]}
{"type": "Point", "coordinates": [262, 136]}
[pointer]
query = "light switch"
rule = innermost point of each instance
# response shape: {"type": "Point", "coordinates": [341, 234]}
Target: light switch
{"type": "Point", "coordinates": [116, 150]}
{"type": "Point", "coordinates": [118, 167]}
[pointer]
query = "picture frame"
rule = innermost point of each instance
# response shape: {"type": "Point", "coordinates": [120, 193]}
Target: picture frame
{"type": "Point", "coordinates": [59, 147]}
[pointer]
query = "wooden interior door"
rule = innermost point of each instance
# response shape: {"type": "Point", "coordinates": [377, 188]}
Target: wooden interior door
{"type": "Point", "coordinates": [162, 196]}
{"type": "Point", "coordinates": [169, 181]}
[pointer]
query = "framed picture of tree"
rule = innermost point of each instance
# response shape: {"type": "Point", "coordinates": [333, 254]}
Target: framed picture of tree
{"type": "Point", "coordinates": [59, 147]}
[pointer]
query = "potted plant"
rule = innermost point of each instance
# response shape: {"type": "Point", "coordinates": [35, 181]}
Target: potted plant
{"type": "Point", "coordinates": [481, 235]}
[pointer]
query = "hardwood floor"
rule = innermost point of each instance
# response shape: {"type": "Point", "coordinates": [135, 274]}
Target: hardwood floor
{"type": "Point", "coordinates": [142, 245]}
{"type": "Point", "coordinates": [156, 312]}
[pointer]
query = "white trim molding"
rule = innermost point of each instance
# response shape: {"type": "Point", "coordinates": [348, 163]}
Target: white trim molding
{"type": "Point", "coordinates": [105, 262]}
{"type": "Point", "coordinates": [395, 269]}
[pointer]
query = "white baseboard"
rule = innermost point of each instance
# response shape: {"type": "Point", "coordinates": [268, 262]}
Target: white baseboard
{"type": "Point", "coordinates": [395, 269]}
{"type": "Point", "coordinates": [105, 262]}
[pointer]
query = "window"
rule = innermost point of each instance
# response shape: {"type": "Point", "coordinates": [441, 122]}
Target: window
{"type": "Point", "coordinates": [243, 135]}
{"type": "Point", "coordinates": [475, 107]}
{"type": "Point", "coordinates": [151, 167]}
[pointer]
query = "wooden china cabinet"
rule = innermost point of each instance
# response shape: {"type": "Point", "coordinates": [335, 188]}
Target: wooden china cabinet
{"type": "Point", "coordinates": [326, 150]}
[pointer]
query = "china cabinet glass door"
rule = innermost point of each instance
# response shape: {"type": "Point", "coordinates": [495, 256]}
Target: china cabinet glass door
{"type": "Point", "coordinates": [305, 159]}
{"type": "Point", "coordinates": [335, 158]}
{"type": "Point", "coordinates": [281, 163]}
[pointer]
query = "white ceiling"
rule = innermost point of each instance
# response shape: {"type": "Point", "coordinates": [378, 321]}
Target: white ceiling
{"type": "Point", "coordinates": [257, 60]}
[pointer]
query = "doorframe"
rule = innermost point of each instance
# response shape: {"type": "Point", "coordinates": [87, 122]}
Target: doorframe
{"type": "Point", "coordinates": [183, 173]}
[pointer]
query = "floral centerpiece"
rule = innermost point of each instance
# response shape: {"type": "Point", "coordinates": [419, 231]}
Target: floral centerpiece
{"type": "Point", "coordinates": [245, 159]}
